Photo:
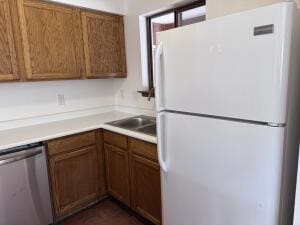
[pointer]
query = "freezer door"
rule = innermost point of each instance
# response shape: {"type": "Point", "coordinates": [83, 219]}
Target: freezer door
{"type": "Point", "coordinates": [234, 66]}
{"type": "Point", "coordinates": [220, 172]}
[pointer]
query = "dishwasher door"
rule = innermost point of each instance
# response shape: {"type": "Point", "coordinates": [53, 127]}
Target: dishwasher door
{"type": "Point", "coordinates": [24, 188]}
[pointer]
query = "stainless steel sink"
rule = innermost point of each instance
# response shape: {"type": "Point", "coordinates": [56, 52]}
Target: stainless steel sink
{"type": "Point", "coordinates": [143, 124]}
{"type": "Point", "coordinates": [149, 129]}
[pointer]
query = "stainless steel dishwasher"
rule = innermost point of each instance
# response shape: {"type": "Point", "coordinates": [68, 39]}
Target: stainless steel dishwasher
{"type": "Point", "coordinates": [24, 186]}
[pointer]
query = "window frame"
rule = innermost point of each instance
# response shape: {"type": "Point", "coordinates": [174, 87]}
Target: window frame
{"type": "Point", "coordinates": [177, 14]}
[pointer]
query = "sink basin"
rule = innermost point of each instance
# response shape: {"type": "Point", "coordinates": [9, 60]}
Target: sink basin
{"type": "Point", "coordinates": [133, 123]}
{"type": "Point", "coordinates": [149, 129]}
{"type": "Point", "coordinates": [143, 124]}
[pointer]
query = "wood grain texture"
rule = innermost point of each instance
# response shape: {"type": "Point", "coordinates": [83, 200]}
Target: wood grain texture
{"type": "Point", "coordinates": [51, 38]}
{"type": "Point", "coordinates": [117, 173]}
{"type": "Point", "coordinates": [74, 177]}
{"type": "Point", "coordinates": [18, 39]}
{"type": "Point", "coordinates": [143, 148]}
{"type": "Point", "coordinates": [8, 57]}
{"type": "Point", "coordinates": [72, 142]}
{"type": "Point", "coordinates": [101, 160]}
{"type": "Point", "coordinates": [143, 176]}
{"type": "Point", "coordinates": [146, 188]}
{"type": "Point", "coordinates": [115, 139]}
{"type": "Point", "coordinates": [104, 45]}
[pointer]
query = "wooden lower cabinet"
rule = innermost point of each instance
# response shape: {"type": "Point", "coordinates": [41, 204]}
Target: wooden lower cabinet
{"type": "Point", "coordinates": [87, 166]}
{"type": "Point", "coordinates": [75, 179]}
{"type": "Point", "coordinates": [75, 172]}
{"type": "Point", "coordinates": [146, 191]}
{"type": "Point", "coordinates": [133, 174]}
{"type": "Point", "coordinates": [117, 171]}
{"type": "Point", "coordinates": [145, 180]}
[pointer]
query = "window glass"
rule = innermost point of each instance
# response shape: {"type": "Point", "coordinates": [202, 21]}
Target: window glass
{"type": "Point", "coordinates": [181, 16]}
{"type": "Point", "coordinates": [191, 16]}
{"type": "Point", "coordinates": [159, 24]}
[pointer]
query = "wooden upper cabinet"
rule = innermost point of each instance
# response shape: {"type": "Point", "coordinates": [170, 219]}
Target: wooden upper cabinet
{"type": "Point", "coordinates": [8, 58]}
{"type": "Point", "coordinates": [51, 39]}
{"type": "Point", "coordinates": [104, 45]}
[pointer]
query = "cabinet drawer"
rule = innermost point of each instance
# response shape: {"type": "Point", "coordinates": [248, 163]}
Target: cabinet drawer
{"type": "Point", "coordinates": [143, 148]}
{"type": "Point", "coordinates": [71, 142]}
{"type": "Point", "coordinates": [115, 139]}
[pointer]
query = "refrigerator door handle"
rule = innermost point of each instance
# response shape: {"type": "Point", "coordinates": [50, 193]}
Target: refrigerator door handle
{"type": "Point", "coordinates": [158, 74]}
{"type": "Point", "coordinates": [160, 141]}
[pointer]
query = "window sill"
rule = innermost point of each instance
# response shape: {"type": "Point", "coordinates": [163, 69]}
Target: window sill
{"type": "Point", "coordinates": [145, 94]}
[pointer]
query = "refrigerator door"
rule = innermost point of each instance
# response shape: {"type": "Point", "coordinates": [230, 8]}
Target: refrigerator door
{"type": "Point", "coordinates": [219, 171]}
{"type": "Point", "coordinates": [234, 66]}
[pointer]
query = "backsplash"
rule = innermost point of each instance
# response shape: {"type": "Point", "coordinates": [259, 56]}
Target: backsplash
{"type": "Point", "coordinates": [35, 99]}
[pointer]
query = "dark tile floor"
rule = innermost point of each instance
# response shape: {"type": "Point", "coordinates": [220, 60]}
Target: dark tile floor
{"type": "Point", "coordinates": [107, 212]}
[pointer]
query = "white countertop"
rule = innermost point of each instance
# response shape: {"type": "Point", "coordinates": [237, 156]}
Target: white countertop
{"type": "Point", "coordinates": [47, 131]}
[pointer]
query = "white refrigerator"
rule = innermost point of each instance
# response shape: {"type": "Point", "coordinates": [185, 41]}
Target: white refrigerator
{"type": "Point", "coordinates": [227, 101]}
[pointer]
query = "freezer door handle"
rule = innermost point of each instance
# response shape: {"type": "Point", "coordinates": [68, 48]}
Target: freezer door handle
{"type": "Point", "coordinates": [158, 77]}
{"type": "Point", "coordinates": [160, 141]}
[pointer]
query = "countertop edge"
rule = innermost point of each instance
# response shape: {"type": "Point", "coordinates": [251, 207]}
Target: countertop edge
{"type": "Point", "coordinates": [137, 135]}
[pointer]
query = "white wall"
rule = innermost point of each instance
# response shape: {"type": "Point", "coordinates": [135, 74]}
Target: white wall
{"type": "Point", "coordinates": [114, 6]}
{"type": "Point", "coordinates": [126, 90]}
{"type": "Point", "coordinates": [23, 100]}
{"type": "Point", "coordinates": [26, 100]}
{"type": "Point", "coordinates": [216, 8]}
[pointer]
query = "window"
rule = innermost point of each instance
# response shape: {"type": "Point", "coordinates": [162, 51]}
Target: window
{"type": "Point", "coordinates": [185, 15]}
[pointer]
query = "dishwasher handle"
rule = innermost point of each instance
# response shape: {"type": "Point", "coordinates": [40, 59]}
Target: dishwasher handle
{"type": "Point", "coordinates": [14, 157]}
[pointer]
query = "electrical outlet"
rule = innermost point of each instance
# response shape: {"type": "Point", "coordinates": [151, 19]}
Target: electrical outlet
{"type": "Point", "coordinates": [61, 100]}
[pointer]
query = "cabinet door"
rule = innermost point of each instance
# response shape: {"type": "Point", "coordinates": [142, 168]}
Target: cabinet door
{"type": "Point", "coordinates": [104, 45]}
{"type": "Point", "coordinates": [51, 36]}
{"type": "Point", "coordinates": [146, 189]}
{"type": "Point", "coordinates": [74, 178]}
{"type": "Point", "coordinates": [117, 172]}
{"type": "Point", "coordinates": [8, 58]}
